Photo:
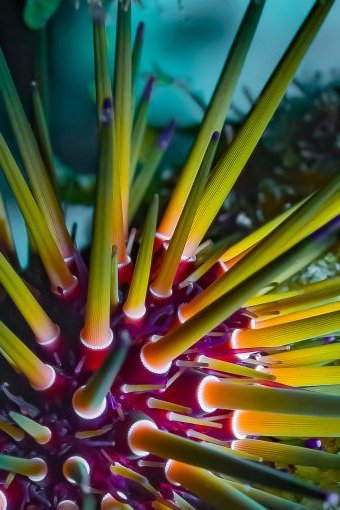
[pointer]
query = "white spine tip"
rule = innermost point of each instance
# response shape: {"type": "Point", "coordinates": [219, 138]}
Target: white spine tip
{"type": "Point", "coordinates": [158, 295]}
{"type": "Point", "coordinates": [108, 502]}
{"type": "Point", "coordinates": [67, 504]}
{"type": "Point", "coordinates": [51, 340]}
{"type": "Point", "coordinates": [233, 339]}
{"type": "Point", "coordinates": [3, 501]}
{"type": "Point", "coordinates": [41, 472]}
{"type": "Point", "coordinates": [121, 265]}
{"type": "Point", "coordinates": [234, 426]}
{"type": "Point", "coordinates": [82, 410]}
{"type": "Point", "coordinates": [49, 383]}
{"type": "Point", "coordinates": [167, 472]}
{"type": "Point", "coordinates": [95, 347]}
{"type": "Point", "coordinates": [70, 463]}
{"type": "Point", "coordinates": [200, 393]}
{"type": "Point", "coordinates": [155, 370]}
{"type": "Point", "coordinates": [135, 315]}
{"type": "Point", "coordinates": [180, 316]}
{"type": "Point", "coordinates": [45, 437]}
{"type": "Point", "coordinates": [140, 423]}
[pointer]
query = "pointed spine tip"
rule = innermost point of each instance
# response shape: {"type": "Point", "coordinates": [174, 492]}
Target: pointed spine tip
{"type": "Point", "coordinates": [215, 136]}
{"type": "Point", "coordinates": [149, 88]}
{"type": "Point", "coordinates": [106, 115]}
{"type": "Point", "coordinates": [332, 499]}
{"type": "Point", "coordinates": [140, 32]}
{"type": "Point", "coordinates": [166, 135]}
{"type": "Point", "coordinates": [98, 13]}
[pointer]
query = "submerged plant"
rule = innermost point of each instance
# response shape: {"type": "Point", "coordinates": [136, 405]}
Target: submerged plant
{"type": "Point", "coordinates": [163, 349]}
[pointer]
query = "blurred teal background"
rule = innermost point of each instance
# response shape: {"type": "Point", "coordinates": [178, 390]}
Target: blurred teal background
{"type": "Point", "coordinates": [190, 43]}
{"type": "Point", "coordinates": [186, 40]}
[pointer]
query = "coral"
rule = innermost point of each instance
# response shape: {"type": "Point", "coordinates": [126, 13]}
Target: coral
{"type": "Point", "coordinates": [164, 370]}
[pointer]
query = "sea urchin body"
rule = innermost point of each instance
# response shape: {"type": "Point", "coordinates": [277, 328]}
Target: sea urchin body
{"type": "Point", "coordinates": [149, 377]}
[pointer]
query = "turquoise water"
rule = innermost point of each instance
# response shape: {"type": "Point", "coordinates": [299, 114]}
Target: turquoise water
{"type": "Point", "coordinates": [190, 43]}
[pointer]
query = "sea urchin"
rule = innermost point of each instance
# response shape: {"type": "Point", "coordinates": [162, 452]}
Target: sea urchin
{"type": "Point", "coordinates": [151, 377]}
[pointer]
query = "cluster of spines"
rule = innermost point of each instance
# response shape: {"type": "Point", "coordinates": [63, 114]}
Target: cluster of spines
{"type": "Point", "coordinates": [263, 401]}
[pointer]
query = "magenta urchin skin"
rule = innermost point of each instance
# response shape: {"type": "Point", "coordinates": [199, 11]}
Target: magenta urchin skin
{"type": "Point", "coordinates": [123, 409]}
{"type": "Point", "coordinates": [184, 391]}
{"type": "Point", "coordinates": [54, 406]}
